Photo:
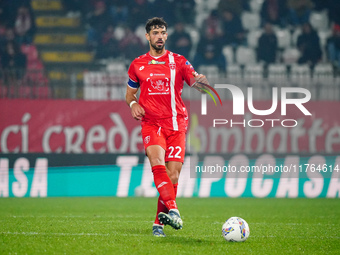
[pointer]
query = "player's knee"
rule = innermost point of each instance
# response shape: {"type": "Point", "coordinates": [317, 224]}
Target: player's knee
{"type": "Point", "coordinates": [174, 176]}
{"type": "Point", "coordinates": [155, 161]}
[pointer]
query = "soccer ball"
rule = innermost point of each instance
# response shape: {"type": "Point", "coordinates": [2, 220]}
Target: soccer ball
{"type": "Point", "coordinates": [235, 229]}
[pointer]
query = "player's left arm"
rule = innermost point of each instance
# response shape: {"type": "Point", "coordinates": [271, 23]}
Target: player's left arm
{"type": "Point", "coordinates": [192, 78]}
{"type": "Point", "coordinates": [200, 82]}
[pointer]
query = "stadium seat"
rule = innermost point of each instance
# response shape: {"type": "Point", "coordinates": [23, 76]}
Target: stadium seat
{"type": "Point", "coordinates": [295, 36]}
{"type": "Point", "coordinates": [253, 38]}
{"type": "Point", "coordinates": [200, 17]}
{"type": "Point", "coordinates": [323, 79]}
{"type": "Point", "coordinates": [245, 55]}
{"type": "Point", "coordinates": [253, 74]}
{"type": "Point", "coordinates": [234, 74]}
{"type": "Point", "coordinates": [36, 65]}
{"type": "Point", "coordinates": [319, 20]}
{"type": "Point", "coordinates": [277, 75]}
{"type": "Point", "coordinates": [3, 91]}
{"type": "Point", "coordinates": [99, 93]}
{"type": "Point", "coordinates": [212, 4]}
{"type": "Point", "coordinates": [300, 75]}
{"type": "Point", "coordinates": [283, 38]}
{"type": "Point", "coordinates": [228, 54]}
{"type": "Point", "coordinates": [323, 74]}
{"type": "Point", "coordinates": [25, 92]}
{"type": "Point", "coordinates": [30, 51]}
{"type": "Point", "coordinates": [119, 33]}
{"type": "Point", "coordinates": [336, 89]}
{"type": "Point", "coordinates": [250, 20]}
{"type": "Point", "coordinates": [253, 77]}
{"type": "Point", "coordinates": [290, 56]}
{"type": "Point", "coordinates": [323, 37]}
{"type": "Point", "coordinates": [12, 91]}
{"type": "Point", "coordinates": [140, 32]}
{"type": "Point", "coordinates": [42, 92]}
{"type": "Point", "coordinates": [195, 37]}
{"type": "Point", "coordinates": [256, 5]}
{"type": "Point", "coordinates": [116, 67]}
{"type": "Point", "coordinates": [210, 71]}
{"type": "Point", "coordinates": [33, 77]}
{"type": "Point", "coordinates": [116, 92]}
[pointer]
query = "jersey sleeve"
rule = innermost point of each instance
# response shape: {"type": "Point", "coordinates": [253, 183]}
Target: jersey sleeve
{"type": "Point", "coordinates": [133, 80]}
{"type": "Point", "coordinates": [187, 70]}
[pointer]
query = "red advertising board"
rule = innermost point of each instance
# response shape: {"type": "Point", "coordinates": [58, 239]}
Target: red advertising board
{"type": "Point", "coordinates": [70, 126]}
{"type": "Point", "coordinates": [67, 126]}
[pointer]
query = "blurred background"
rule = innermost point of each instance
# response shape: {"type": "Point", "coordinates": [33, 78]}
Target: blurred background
{"type": "Point", "coordinates": [63, 77]}
{"type": "Point", "coordinates": [81, 49]}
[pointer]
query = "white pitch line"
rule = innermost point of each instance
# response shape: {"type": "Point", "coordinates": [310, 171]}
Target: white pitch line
{"type": "Point", "coordinates": [67, 234]}
{"type": "Point", "coordinates": [44, 216]}
{"type": "Point", "coordinates": [291, 223]}
{"type": "Point", "coordinates": [300, 237]}
{"type": "Point", "coordinates": [281, 223]}
{"type": "Point", "coordinates": [56, 234]}
{"type": "Point", "coordinates": [102, 221]}
{"type": "Point", "coordinates": [123, 234]}
{"type": "Point", "coordinates": [70, 216]}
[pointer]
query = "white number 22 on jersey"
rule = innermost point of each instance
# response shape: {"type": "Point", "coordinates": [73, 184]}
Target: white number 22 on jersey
{"type": "Point", "coordinates": [171, 148]}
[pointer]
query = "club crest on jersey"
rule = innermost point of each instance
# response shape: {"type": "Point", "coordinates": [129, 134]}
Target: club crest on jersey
{"type": "Point", "coordinates": [172, 66]}
{"type": "Point", "coordinates": [147, 139]}
{"type": "Point", "coordinates": [160, 85]}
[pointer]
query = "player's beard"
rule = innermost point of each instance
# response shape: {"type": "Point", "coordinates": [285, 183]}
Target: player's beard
{"type": "Point", "coordinates": [157, 48]}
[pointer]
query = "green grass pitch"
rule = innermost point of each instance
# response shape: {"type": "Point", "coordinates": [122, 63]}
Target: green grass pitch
{"type": "Point", "coordinates": [123, 226]}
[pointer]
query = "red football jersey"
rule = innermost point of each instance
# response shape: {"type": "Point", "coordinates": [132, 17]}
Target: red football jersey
{"type": "Point", "coordinates": [161, 82]}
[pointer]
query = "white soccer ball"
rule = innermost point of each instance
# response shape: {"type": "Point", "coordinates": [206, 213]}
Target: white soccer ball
{"type": "Point", "coordinates": [235, 229]}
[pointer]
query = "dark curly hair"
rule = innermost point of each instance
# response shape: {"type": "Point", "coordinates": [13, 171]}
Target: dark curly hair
{"type": "Point", "coordinates": [155, 22]}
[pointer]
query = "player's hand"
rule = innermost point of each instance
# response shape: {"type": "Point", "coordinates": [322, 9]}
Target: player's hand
{"type": "Point", "coordinates": [201, 80]}
{"type": "Point", "coordinates": [137, 111]}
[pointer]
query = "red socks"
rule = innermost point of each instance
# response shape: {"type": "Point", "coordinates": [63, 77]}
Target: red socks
{"type": "Point", "coordinates": [175, 188]}
{"type": "Point", "coordinates": [161, 206]}
{"type": "Point", "coordinates": [164, 186]}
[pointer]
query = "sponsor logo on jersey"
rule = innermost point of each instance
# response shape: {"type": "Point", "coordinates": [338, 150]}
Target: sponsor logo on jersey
{"type": "Point", "coordinates": [157, 74]}
{"type": "Point", "coordinates": [190, 65]}
{"type": "Point", "coordinates": [155, 62]}
{"type": "Point", "coordinates": [141, 68]}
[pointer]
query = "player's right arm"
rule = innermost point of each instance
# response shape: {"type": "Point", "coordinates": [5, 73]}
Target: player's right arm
{"type": "Point", "coordinates": [137, 111]}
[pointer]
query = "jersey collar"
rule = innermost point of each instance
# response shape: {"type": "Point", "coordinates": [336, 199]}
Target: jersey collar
{"type": "Point", "coordinates": [166, 51]}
